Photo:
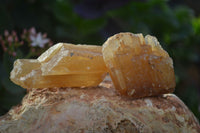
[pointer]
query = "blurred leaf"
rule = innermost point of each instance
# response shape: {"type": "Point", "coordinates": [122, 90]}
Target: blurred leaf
{"type": "Point", "coordinates": [91, 26]}
{"type": "Point", "coordinates": [196, 25]}
{"type": "Point", "coordinates": [75, 27]}
{"type": "Point", "coordinates": [63, 12]}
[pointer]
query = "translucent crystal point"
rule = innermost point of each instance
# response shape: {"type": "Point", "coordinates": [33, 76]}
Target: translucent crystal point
{"type": "Point", "coordinates": [138, 66]}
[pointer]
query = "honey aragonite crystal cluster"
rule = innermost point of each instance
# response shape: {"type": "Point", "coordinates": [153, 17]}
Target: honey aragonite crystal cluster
{"type": "Point", "coordinates": [138, 66]}
{"type": "Point", "coordinates": [63, 65]}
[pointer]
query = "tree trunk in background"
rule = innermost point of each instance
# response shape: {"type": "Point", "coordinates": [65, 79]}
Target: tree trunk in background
{"type": "Point", "coordinates": [97, 110]}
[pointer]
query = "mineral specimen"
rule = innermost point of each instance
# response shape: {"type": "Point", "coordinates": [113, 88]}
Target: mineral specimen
{"type": "Point", "coordinates": [63, 65]}
{"type": "Point", "coordinates": [65, 58]}
{"type": "Point", "coordinates": [138, 66]}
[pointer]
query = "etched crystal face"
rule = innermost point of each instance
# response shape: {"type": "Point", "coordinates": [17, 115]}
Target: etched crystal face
{"type": "Point", "coordinates": [63, 65]}
{"type": "Point", "coordinates": [138, 66]}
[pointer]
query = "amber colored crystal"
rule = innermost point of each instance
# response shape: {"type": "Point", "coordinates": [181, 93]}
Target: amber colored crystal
{"type": "Point", "coordinates": [64, 58]}
{"type": "Point", "coordinates": [138, 66]}
{"type": "Point", "coordinates": [63, 65]}
{"type": "Point", "coordinates": [27, 73]}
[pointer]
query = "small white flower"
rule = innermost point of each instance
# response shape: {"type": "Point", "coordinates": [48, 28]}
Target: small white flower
{"type": "Point", "coordinates": [38, 40]}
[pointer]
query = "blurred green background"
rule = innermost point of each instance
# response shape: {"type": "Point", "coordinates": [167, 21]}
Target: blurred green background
{"type": "Point", "coordinates": [28, 27]}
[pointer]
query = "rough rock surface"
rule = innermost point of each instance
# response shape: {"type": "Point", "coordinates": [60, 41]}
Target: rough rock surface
{"type": "Point", "coordinates": [97, 110]}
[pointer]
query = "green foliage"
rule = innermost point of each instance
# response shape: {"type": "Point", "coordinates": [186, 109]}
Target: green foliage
{"type": "Point", "coordinates": [73, 26]}
{"type": "Point", "coordinates": [156, 18]}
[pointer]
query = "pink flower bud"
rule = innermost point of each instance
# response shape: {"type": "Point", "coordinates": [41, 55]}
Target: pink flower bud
{"type": "Point", "coordinates": [14, 33]}
{"type": "Point", "coordinates": [10, 39]}
{"type": "Point", "coordinates": [16, 39]}
{"type": "Point", "coordinates": [50, 44]}
{"type": "Point", "coordinates": [25, 31]}
{"type": "Point", "coordinates": [14, 54]}
{"type": "Point", "coordinates": [44, 35]}
{"type": "Point", "coordinates": [5, 49]}
{"type": "Point", "coordinates": [6, 33]}
{"type": "Point", "coordinates": [22, 42]}
{"type": "Point", "coordinates": [32, 31]}
{"type": "Point", "coordinates": [33, 50]}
